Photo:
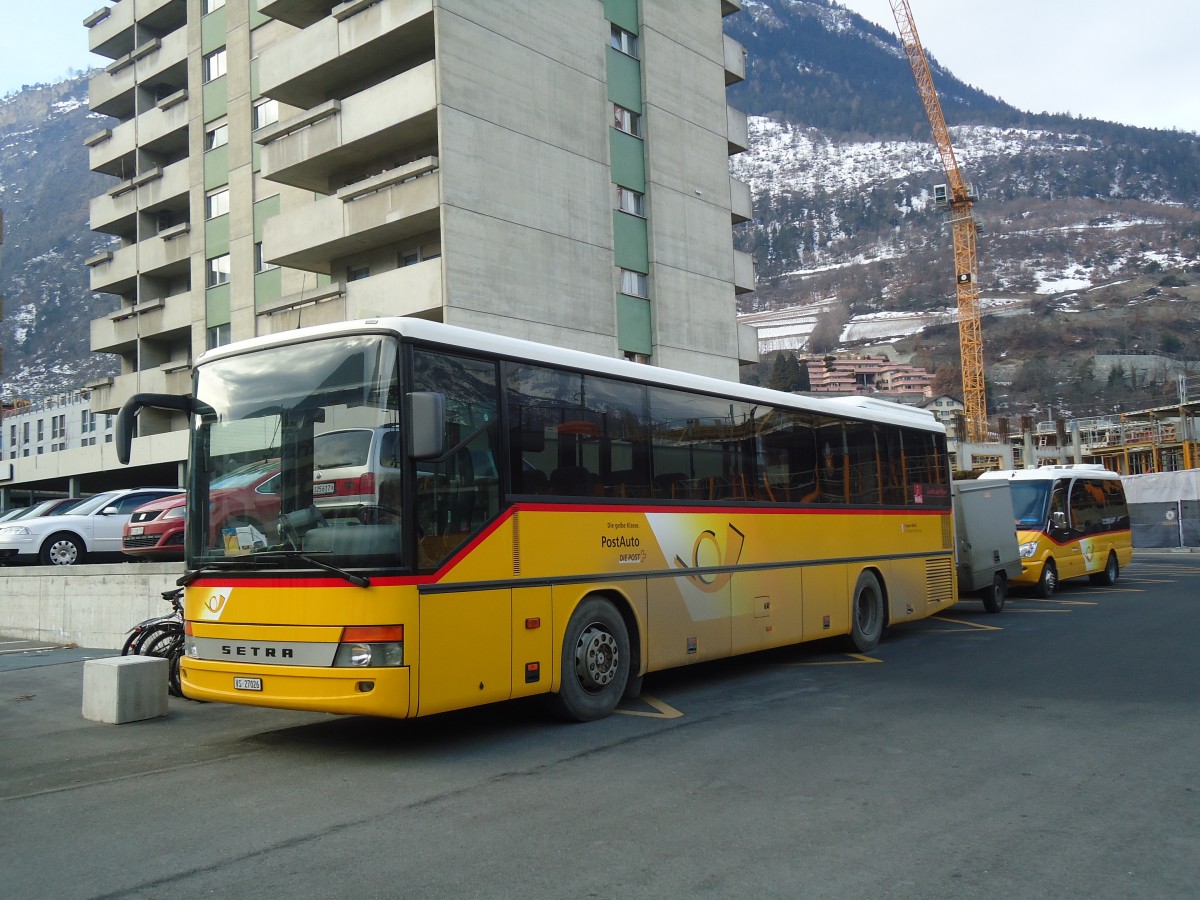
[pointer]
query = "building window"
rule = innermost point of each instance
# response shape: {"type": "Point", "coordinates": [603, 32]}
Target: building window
{"type": "Point", "coordinates": [627, 120]}
{"type": "Point", "coordinates": [630, 201]}
{"type": "Point", "coordinates": [355, 273]}
{"type": "Point", "coordinates": [214, 65]}
{"type": "Point", "coordinates": [634, 284]}
{"type": "Point", "coordinates": [216, 203]}
{"type": "Point", "coordinates": [41, 429]}
{"type": "Point", "coordinates": [266, 112]}
{"type": "Point", "coordinates": [217, 336]}
{"type": "Point", "coordinates": [210, 5]}
{"type": "Point", "coordinates": [218, 270]}
{"type": "Point", "coordinates": [216, 136]}
{"type": "Point", "coordinates": [260, 264]}
{"type": "Point", "coordinates": [625, 41]}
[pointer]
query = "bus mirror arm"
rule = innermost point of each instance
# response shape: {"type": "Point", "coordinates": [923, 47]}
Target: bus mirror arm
{"type": "Point", "coordinates": [127, 417]}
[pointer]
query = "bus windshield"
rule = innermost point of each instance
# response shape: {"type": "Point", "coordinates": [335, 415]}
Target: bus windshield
{"type": "Point", "coordinates": [1029, 502]}
{"type": "Point", "coordinates": [296, 456]}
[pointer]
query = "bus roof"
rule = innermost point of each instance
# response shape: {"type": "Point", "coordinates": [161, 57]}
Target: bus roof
{"type": "Point", "coordinates": [455, 337]}
{"type": "Point", "coordinates": [1049, 473]}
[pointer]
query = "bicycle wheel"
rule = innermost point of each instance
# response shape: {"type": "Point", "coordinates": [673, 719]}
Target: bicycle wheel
{"type": "Point", "coordinates": [169, 645]}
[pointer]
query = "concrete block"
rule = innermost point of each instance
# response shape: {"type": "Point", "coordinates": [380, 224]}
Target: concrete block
{"type": "Point", "coordinates": [125, 689]}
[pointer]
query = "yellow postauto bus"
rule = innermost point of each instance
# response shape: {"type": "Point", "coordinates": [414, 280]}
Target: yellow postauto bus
{"type": "Point", "coordinates": [543, 521]}
{"type": "Point", "coordinates": [1072, 520]}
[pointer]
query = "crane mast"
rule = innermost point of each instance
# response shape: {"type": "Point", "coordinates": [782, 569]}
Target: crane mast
{"type": "Point", "coordinates": [958, 199]}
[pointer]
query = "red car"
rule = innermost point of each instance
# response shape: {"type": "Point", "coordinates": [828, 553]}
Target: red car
{"type": "Point", "coordinates": [246, 496]}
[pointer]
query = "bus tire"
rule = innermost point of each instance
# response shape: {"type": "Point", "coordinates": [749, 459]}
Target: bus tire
{"type": "Point", "coordinates": [1110, 573]}
{"type": "Point", "coordinates": [994, 594]}
{"type": "Point", "coordinates": [595, 662]}
{"type": "Point", "coordinates": [866, 613]}
{"type": "Point", "coordinates": [1047, 582]}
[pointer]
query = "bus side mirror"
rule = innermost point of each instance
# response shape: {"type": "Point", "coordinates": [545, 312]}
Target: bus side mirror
{"type": "Point", "coordinates": [1058, 519]}
{"type": "Point", "coordinates": [127, 417]}
{"type": "Point", "coordinates": [427, 425]}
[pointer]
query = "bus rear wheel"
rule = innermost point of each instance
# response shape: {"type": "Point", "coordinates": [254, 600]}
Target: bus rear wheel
{"type": "Point", "coordinates": [1112, 571]}
{"type": "Point", "coordinates": [595, 662]}
{"type": "Point", "coordinates": [866, 613]}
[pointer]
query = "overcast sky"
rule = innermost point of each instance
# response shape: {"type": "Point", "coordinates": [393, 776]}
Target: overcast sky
{"type": "Point", "coordinates": [1125, 61]}
{"type": "Point", "coordinates": [1130, 61]}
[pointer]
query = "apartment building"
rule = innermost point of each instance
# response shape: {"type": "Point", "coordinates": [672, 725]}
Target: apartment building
{"type": "Point", "coordinates": [553, 169]}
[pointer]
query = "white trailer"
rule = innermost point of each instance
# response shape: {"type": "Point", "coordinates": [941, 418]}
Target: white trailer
{"type": "Point", "coordinates": [985, 540]}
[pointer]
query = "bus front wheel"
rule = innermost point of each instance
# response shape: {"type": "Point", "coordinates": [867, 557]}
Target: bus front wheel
{"type": "Point", "coordinates": [595, 662]}
{"type": "Point", "coordinates": [1048, 581]}
{"type": "Point", "coordinates": [866, 613]}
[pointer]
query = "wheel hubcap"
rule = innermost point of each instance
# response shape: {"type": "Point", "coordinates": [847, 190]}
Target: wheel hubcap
{"type": "Point", "coordinates": [63, 554]}
{"type": "Point", "coordinates": [596, 658]}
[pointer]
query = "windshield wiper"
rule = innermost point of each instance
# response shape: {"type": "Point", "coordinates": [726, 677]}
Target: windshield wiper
{"type": "Point", "coordinates": [280, 555]}
{"type": "Point", "coordinates": [212, 565]}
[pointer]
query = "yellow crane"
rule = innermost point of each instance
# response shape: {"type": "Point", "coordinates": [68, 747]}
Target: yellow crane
{"type": "Point", "coordinates": [957, 198]}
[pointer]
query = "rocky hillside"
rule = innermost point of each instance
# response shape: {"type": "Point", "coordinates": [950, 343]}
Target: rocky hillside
{"type": "Point", "coordinates": [45, 187]}
{"type": "Point", "coordinates": [1091, 230]}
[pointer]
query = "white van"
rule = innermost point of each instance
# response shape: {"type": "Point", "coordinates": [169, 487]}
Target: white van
{"type": "Point", "coordinates": [354, 466]}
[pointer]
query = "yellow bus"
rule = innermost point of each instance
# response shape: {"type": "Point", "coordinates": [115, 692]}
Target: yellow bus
{"type": "Point", "coordinates": [1072, 520]}
{"type": "Point", "coordinates": [549, 522]}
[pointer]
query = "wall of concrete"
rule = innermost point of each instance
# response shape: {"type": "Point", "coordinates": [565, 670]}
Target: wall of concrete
{"type": "Point", "coordinates": [92, 606]}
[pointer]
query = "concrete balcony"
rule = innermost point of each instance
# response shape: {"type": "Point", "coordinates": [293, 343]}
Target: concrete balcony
{"type": "Point", "coordinates": [114, 211]}
{"type": "Point", "coordinates": [361, 217]}
{"type": "Point", "coordinates": [735, 61]}
{"type": "Point", "coordinates": [743, 272]}
{"type": "Point", "coordinates": [110, 30]}
{"type": "Point", "coordinates": [738, 130]}
{"type": "Point", "coordinates": [118, 332]}
{"type": "Point", "coordinates": [309, 150]}
{"type": "Point", "coordinates": [162, 130]}
{"type": "Point", "coordinates": [318, 63]}
{"type": "Point", "coordinates": [300, 13]}
{"type": "Point", "coordinates": [410, 291]}
{"type": "Point", "coordinates": [741, 201]}
{"type": "Point", "coordinates": [116, 272]}
{"type": "Point", "coordinates": [159, 60]}
{"type": "Point", "coordinates": [169, 378]}
{"type": "Point", "coordinates": [728, 7]}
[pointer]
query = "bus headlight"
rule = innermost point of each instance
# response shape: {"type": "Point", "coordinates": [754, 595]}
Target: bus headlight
{"type": "Point", "coordinates": [1028, 549]}
{"type": "Point", "coordinates": [370, 646]}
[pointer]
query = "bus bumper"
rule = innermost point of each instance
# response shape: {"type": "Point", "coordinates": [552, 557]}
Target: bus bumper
{"type": "Point", "coordinates": [382, 691]}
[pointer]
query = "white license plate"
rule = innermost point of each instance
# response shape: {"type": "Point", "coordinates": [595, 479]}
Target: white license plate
{"type": "Point", "coordinates": [137, 529]}
{"type": "Point", "coordinates": [324, 487]}
{"type": "Point", "coordinates": [247, 684]}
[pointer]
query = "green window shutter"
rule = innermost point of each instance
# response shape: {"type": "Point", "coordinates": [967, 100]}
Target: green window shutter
{"type": "Point", "coordinates": [630, 242]}
{"type": "Point", "coordinates": [628, 160]}
{"type": "Point", "coordinates": [623, 13]}
{"type": "Point", "coordinates": [633, 325]}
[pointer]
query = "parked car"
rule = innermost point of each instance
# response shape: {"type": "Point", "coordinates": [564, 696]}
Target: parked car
{"type": "Point", "coordinates": [45, 508]}
{"type": "Point", "coordinates": [247, 496]}
{"type": "Point", "coordinates": [93, 527]}
{"type": "Point", "coordinates": [353, 465]}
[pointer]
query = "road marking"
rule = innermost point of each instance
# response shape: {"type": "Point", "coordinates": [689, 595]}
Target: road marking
{"type": "Point", "coordinates": [854, 660]}
{"type": "Point", "coordinates": [35, 649]}
{"type": "Point", "coordinates": [971, 626]}
{"type": "Point", "coordinates": [662, 710]}
{"type": "Point", "coordinates": [1068, 602]}
{"type": "Point", "coordinates": [1006, 609]}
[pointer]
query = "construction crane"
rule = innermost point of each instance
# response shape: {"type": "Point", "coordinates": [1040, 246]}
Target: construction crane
{"type": "Point", "coordinates": [957, 198]}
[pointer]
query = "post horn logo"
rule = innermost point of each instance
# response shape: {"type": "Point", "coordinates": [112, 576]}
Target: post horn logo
{"type": "Point", "coordinates": [701, 576]}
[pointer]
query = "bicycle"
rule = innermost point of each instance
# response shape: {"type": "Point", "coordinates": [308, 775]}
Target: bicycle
{"type": "Point", "coordinates": [161, 636]}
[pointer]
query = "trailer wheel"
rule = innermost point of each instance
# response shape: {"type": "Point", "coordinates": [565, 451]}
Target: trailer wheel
{"type": "Point", "coordinates": [994, 594]}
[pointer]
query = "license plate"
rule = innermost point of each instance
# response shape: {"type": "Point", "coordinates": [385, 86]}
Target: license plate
{"type": "Point", "coordinates": [137, 529]}
{"type": "Point", "coordinates": [324, 487]}
{"type": "Point", "coordinates": [247, 684]}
